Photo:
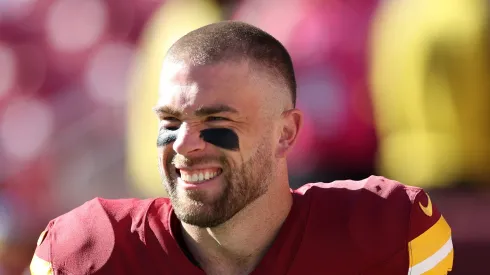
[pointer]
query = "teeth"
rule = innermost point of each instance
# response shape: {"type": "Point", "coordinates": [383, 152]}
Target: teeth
{"type": "Point", "coordinates": [197, 176]}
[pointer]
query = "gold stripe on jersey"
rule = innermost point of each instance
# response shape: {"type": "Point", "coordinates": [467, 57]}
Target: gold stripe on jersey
{"type": "Point", "coordinates": [432, 250]}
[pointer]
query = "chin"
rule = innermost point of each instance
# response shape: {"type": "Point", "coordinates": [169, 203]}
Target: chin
{"type": "Point", "coordinates": [200, 215]}
{"type": "Point", "coordinates": [193, 200]}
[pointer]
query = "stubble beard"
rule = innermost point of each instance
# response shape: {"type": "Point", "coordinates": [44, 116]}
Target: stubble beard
{"type": "Point", "coordinates": [242, 186]}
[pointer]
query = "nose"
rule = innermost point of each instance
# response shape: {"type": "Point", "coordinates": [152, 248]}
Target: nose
{"type": "Point", "coordinates": [188, 140]}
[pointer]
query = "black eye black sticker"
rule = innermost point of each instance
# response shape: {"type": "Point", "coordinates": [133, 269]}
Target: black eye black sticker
{"type": "Point", "coordinates": [166, 136]}
{"type": "Point", "coordinates": [221, 137]}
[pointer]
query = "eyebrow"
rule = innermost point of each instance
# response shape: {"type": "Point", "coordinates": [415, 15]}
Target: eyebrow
{"type": "Point", "coordinates": [167, 110]}
{"type": "Point", "coordinates": [201, 111]}
{"type": "Point", "coordinates": [214, 109]}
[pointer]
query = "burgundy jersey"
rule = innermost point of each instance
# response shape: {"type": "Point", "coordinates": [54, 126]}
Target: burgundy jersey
{"type": "Point", "coordinates": [375, 227]}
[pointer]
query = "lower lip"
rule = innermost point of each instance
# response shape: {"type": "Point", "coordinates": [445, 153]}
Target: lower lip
{"type": "Point", "coordinates": [195, 185]}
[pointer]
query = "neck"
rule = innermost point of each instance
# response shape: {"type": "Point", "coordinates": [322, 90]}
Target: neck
{"type": "Point", "coordinates": [238, 245]}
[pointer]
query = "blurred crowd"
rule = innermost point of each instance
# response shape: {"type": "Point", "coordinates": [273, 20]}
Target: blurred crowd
{"type": "Point", "coordinates": [396, 88]}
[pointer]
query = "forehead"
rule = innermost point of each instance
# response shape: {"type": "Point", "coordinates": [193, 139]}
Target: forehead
{"type": "Point", "coordinates": [187, 87]}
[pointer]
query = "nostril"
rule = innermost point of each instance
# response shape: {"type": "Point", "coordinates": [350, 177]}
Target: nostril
{"type": "Point", "coordinates": [177, 171]}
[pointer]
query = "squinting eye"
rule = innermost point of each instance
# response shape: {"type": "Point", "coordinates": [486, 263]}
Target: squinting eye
{"type": "Point", "coordinates": [169, 123]}
{"type": "Point", "coordinates": [171, 128]}
{"type": "Point", "coordinates": [215, 118]}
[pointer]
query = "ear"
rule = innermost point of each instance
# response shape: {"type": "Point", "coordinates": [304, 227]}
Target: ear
{"type": "Point", "coordinates": [292, 120]}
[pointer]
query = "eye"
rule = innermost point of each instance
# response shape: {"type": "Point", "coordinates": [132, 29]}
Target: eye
{"type": "Point", "coordinates": [169, 123]}
{"type": "Point", "coordinates": [171, 128]}
{"type": "Point", "coordinates": [216, 118]}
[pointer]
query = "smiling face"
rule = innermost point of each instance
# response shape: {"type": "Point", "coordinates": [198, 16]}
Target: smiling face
{"type": "Point", "coordinates": [217, 138]}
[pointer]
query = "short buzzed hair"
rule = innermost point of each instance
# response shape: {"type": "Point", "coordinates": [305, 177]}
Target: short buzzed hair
{"type": "Point", "coordinates": [236, 41]}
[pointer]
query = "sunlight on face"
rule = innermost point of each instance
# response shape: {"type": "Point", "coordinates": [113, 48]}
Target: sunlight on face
{"type": "Point", "coordinates": [215, 144]}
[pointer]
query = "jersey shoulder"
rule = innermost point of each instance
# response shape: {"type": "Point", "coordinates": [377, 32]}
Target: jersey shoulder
{"type": "Point", "coordinates": [376, 199]}
{"type": "Point", "coordinates": [376, 204]}
{"type": "Point", "coordinates": [377, 194]}
{"type": "Point", "coordinates": [82, 240]}
{"type": "Point", "coordinates": [395, 218]}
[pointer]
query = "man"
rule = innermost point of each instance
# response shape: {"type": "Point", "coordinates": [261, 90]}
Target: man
{"type": "Point", "coordinates": [227, 122]}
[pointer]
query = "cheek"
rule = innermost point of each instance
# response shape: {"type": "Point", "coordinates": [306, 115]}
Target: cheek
{"type": "Point", "coordinates": [164, 154]}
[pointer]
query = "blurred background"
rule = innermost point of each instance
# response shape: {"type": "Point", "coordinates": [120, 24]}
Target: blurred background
{"type": "Point", "coordinates": [395, 88]}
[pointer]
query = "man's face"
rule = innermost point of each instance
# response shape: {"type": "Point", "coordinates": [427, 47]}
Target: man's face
{"type": "Point", "coordinates": [215, 140]}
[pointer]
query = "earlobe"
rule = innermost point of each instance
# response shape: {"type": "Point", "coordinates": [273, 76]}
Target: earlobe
{"type": "Point", "coordinates": [292, 122]}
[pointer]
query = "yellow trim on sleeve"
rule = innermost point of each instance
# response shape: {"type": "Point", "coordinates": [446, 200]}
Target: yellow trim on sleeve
{"type": "Point", "coordinates": [429, 242]}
